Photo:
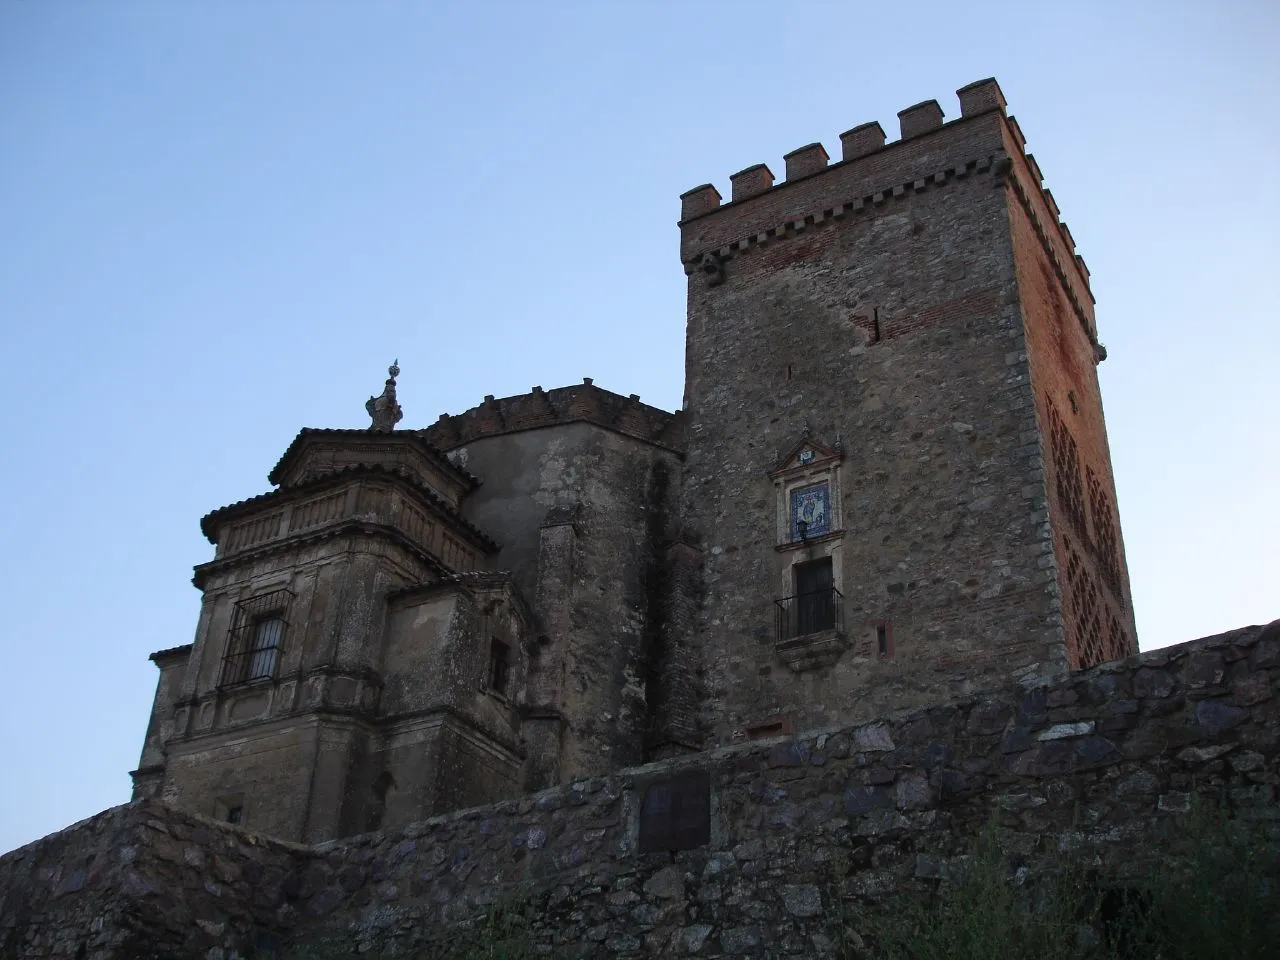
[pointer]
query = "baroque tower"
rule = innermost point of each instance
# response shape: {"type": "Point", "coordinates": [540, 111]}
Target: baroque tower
{"type": "Point", "coordinates": [896, 466]}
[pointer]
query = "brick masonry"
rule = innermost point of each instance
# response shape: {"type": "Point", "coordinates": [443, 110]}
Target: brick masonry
{"type": "Point", "coordinates": [799, 825]}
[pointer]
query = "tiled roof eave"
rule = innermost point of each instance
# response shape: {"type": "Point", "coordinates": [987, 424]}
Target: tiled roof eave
{"type": "Point", "coordinates": [469, 481]}
{"type": "Point", "coordinates": [181, 649]}
{"type": "Point", "coordinates": [209, 521]}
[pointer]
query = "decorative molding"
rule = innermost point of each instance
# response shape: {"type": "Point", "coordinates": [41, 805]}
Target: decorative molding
{"type": "Point", "coordinates": [812, 651]}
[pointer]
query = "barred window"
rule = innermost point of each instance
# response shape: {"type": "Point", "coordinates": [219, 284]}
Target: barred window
{"type": "Point", "coordinates": [258, 629]}
{"type": "Point", "coordinates": [267, 633]}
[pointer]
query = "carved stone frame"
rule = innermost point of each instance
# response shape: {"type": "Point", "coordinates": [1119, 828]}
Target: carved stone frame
{"type": "Point", "coordinates": [807, 463]}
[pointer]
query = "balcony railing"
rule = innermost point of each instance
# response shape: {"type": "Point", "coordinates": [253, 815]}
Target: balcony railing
{"type": "Point", "coordinates": [808, 613]}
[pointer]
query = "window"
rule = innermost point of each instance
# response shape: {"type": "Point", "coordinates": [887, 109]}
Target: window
{"type": "Point", "coordinates": [773, 727]}
{"type": "Point", "coordinates": [229, 809]}
{"type": "Point", "coordinates": [499, 666]}
{"type": "Point", "coordinates": [884, 640]}
{"type": "Point", "coordinates": [258, 628]}
{"type": "Point", "coordinates": [266, 644]}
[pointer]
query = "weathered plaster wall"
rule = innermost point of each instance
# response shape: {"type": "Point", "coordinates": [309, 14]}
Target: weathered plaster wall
{"type": "Point", "coordinates": [798, 826]}
{"type": "Point", "coordinates": [585, 512]}
{"type": "Point", "coordinates": [448, 739]}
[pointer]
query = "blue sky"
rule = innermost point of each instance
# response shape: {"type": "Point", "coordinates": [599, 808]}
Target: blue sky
{"type": "Point", "coordinates": [223, 219]}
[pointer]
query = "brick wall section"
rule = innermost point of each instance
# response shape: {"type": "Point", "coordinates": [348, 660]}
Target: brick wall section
{"type": "Point", "coordinates": [799, 824]}
{"type": "Point", "coordinates": [1062, 366]}
{"type": "Point", "coordinates": [904, 161]}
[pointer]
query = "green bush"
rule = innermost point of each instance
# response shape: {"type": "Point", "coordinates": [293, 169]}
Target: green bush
{"type": "Point", "coordinates": [1215, 895]}
{"type": "Point", "coordinates": [502, 935]}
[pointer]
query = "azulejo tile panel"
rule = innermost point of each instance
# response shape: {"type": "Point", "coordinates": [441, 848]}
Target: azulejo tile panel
{"type": "Point", "coordinates": [811, 507]}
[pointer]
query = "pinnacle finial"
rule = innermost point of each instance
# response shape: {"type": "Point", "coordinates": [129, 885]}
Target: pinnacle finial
{"type": "Point", "coordinates": [383, 410]}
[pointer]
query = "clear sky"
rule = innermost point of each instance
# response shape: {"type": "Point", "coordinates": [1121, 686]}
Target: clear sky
{"type": "Point", "coordinates": [222, 219]}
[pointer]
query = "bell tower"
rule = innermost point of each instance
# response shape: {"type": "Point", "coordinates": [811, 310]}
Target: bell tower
{"type": "Point", "coordinates": [356, 663]}
{"type": "Point", "coordinates": [897, 469]}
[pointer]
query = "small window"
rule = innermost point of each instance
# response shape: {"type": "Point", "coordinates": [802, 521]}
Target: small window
{"type": "Point", "coordinates": [267, 634]}
{"type": "Point", "coordinates": [884, 640]}
{"type": "Point", "coordinates": [258, 629]}
{"type": "Point", "coordinates": [773, 727]}
{"type": "Point", "coordinates": [229, 809]}
{"type": "Point", "coordinates": [499, 666]}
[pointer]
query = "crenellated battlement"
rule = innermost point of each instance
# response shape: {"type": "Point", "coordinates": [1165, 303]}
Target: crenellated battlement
{"type": "Point", "coordinates": [580, 403]}
{"type": "Point", "coordinates": [929, 152]}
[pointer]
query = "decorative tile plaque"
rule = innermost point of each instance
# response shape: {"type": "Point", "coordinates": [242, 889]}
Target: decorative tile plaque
{"type": "Point", "coordinates": [810, 511]}
{"type": "Point", "coordinates": [675, 813]}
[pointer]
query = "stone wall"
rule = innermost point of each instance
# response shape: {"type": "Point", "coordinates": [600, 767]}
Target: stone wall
{"type": "Point", "coordinates": [798, 826]}
{"type": "Point", "coordinates": [146, 882]}
{"type": "Point", "coordinates": [886, 333]}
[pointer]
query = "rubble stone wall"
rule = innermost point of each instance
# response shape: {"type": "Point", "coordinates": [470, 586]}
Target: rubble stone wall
{"type": "Point", "coordinates": [798, 826]}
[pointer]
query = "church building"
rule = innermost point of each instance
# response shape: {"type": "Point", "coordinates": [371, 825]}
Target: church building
{"type": "Point", "coordinates": [889, 485]}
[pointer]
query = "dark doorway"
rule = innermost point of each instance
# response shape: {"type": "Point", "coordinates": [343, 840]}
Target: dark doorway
{"type": "Point", "coordinates": [815, 597]}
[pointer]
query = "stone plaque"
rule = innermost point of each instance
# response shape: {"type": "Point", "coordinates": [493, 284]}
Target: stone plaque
{"type": "Point", "coordinates": [675, 814]}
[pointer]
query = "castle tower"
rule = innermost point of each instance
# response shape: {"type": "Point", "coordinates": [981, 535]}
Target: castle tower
{"type": "Point", "coordinates": [897, 463]}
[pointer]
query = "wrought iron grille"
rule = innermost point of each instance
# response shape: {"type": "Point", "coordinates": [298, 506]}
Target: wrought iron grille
{"type": "Point", "coordinates": [257, 633]}
{"type": "Point", "coordinates": [808, 613]}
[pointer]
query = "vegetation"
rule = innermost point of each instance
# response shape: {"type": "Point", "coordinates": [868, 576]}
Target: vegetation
{"type": "Point", "coordinates": [1215, 896]}
{"type": "Point", "coordinates": [502, 935]}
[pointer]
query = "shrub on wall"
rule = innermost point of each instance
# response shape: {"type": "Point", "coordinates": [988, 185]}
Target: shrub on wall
{"type": "Point", "coordinates": [1212, 892]}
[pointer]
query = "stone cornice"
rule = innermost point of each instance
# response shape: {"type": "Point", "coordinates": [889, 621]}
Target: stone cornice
{"type": "Point", "coordinates": [370, 528]}
{"type": "Point", "coordinates": [210, 521]}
